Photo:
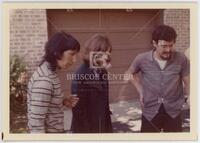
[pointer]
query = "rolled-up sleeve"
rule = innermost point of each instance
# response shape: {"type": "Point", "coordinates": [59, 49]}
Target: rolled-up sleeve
{"type": "Point", "coordinates": [185, 71]}
{"type": "Point", "coordinates": [135, 66]}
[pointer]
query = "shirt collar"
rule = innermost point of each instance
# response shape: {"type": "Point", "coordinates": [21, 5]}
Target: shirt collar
{"type": "Point", "coordinates": [150, 55]}
{"type": "Point", "coordinates": [48, 67]}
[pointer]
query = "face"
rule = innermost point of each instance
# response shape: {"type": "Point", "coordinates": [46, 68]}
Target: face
{"type": "Point", "coordinates": [164, 49]}
{"type": "Point", "coordinates": [68, 58]}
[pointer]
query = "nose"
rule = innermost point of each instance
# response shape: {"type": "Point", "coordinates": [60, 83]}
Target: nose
{"type": "Point", "coordinates": [168, 49]}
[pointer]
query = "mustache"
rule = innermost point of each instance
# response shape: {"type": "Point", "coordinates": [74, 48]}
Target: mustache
{"type": "Point", "coordinates": [167, 52]}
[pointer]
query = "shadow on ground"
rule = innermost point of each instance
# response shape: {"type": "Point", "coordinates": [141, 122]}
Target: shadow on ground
{"type": "Point", "coordinates": [126, 117]}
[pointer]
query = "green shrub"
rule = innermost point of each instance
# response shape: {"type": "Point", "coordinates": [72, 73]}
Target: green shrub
{"type": "Point", "coordinates": [18, 86]}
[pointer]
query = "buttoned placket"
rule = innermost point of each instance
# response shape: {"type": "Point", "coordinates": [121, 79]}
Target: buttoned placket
{"type": "Point", "coordinates": [161, 71]}
{"type": "Point", "coordinates": [161, 97]}
{"type": "Point", "coordinates": [162, 87]}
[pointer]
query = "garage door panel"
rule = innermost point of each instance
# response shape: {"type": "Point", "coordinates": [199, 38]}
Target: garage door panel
{"type": "Point", "coordinates": [128, 30]}
{"type": "Point", "coordinates": [124, 58]}
{"type": "Point", "coordinates": [134, 18]}
{"type": "Point", "coordinates": [130, 38]}
{"type": "Point", "coordinates": [132, 47]}
{"type": "Point", "coordinates": [75, 19]}
{"type": "Point", "coordinates": [118, 40]}
{"type": "Point", "coordinates": [82, 37]}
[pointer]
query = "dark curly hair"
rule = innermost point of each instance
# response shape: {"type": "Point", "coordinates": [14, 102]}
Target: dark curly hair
{"type": "Point", "coordinates": [164, 32]}
{"type": "Point", "coordinates": [57, 45]}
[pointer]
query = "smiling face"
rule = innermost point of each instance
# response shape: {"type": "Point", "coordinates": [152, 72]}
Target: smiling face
{"type": "Point", "coordinates": [164, 49]}
{"type": "Point", "coordinates": [68, 59]}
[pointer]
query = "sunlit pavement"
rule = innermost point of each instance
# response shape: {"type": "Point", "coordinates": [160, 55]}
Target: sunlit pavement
{"type": "Point", "coordinates": [126, 117]}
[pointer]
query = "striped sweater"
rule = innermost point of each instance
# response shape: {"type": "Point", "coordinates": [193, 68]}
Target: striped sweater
{"type": "Point", "coordinates": [44, 101]}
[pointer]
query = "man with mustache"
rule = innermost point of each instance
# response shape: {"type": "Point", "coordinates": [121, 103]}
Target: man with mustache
{"type": "Point", "coordinates": [161, 77]}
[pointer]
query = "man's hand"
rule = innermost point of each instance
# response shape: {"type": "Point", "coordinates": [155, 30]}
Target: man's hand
{"type": "Point", "coordinates": [70, 101]}
{"type": "Point", "coordinates": [186, 83]}
{"type": "Point", "coordinates": [187, 100]}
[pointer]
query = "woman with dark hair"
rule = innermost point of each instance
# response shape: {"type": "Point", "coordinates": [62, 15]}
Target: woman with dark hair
{"type": "Point", "coordinates": [45, 99]}
{"type": "Point", "coordinates": [92, 112]}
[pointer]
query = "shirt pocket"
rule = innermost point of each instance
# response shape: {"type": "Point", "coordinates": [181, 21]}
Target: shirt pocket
{"type": "Point", "coordinates": [172, 73]}
{"type": "Point", "coordinates": [173, 70]}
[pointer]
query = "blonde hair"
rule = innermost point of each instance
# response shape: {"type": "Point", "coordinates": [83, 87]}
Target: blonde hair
{"type": "Point", "coordinates": [96, 43]}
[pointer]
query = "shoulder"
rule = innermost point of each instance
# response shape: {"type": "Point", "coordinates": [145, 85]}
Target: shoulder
{"type": "Point", "coordinates": [181, 59]}
{"type": "Point", "coordinates": [180, 56]}
{"type": "Point", "coordinates": [41, 78]}
{"type": "Point", "coordinates": [145, 56]}
{"type": "Point", "coordinates": [83, 69]}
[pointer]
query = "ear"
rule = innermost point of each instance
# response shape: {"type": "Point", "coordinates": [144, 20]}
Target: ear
{"type": "Point", "coordinates": [154, 43]}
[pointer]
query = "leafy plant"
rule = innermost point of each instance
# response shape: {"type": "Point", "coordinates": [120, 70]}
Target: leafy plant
{"type": "Point", "coordinates": [18, 85]}
{"type": "Point", "coordinates": [18, 76]}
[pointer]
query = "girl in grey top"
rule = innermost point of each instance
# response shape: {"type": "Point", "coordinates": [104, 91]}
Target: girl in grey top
{"type": "Point", "coordinates": [45, 99]}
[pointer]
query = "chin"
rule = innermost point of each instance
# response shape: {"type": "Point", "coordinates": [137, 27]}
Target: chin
{"type": "Point", "coordinates": [165, 58]}
{"type": "Point", "coordinates": [67, 66]}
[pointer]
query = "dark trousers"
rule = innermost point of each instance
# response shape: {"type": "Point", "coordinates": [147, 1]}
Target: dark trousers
{"type": "Point", "coordinates": [162, 122]}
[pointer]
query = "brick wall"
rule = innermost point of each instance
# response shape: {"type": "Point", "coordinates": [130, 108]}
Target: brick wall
{"type": "Point", "coordinates": [28, 34]}
{"type": "Point", "coordinates": [180, 20]}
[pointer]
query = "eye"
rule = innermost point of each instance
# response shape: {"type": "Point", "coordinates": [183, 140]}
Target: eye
{"type": "Point", "coordinates": [164, 46]}
{"type": "Point", "coordinates": [73, 53]}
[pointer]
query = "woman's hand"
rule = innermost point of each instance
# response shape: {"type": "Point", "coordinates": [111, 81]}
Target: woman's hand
{"type": "Point", "coordinates": [70, 101]}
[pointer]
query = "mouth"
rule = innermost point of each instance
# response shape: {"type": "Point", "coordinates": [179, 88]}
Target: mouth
{"type": "Point", "coordinates": [167, 54]}
{"type": "Point", "coordinates": [68, 65]}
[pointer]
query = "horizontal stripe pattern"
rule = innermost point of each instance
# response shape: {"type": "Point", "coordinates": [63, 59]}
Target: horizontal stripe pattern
{"type": "Point", "coordinates": [44, 100]}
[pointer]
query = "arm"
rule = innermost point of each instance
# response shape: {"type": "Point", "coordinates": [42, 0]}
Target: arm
{"type": "Point", "coordinates": [185, 74]}
{"type": "Point", "coordinates": [40, 99]}
{"type": "Point", "coordinates": [133, 71]}
{"type": "Point", "coordinates": [136, 82]}
{"type": "Point", "coordinates": [186, 82]}
{"type": "Point", "coordinates": [72, 100]}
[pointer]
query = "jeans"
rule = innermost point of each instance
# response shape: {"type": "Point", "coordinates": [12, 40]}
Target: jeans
{"type": "Point", "coordinates": [162, 122]}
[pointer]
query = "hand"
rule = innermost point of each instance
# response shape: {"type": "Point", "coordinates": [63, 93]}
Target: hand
{"type": "Point", "coordinates": [186, 105]}
{"type": "Point", "coordinates": [70, 101]}
{"type": "Point", "coordinates": [187, 100]}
